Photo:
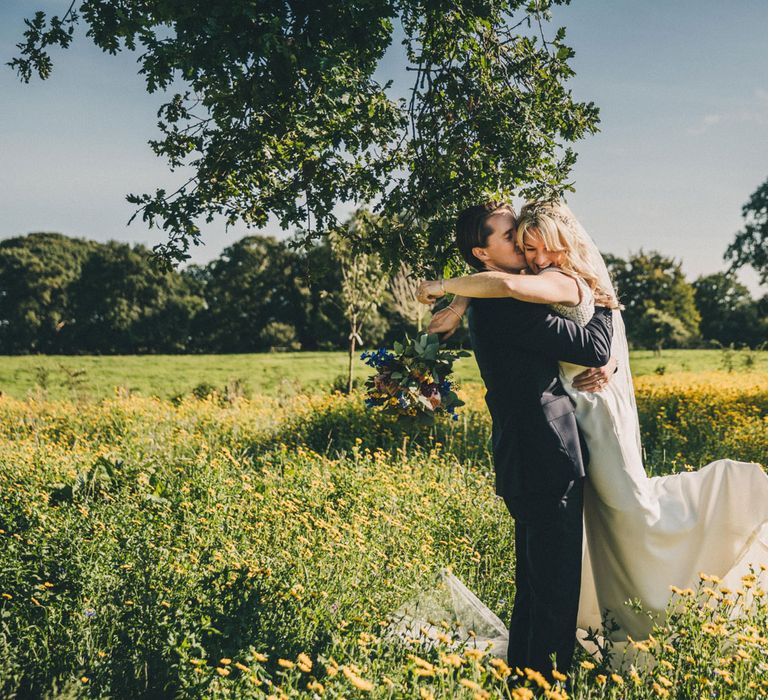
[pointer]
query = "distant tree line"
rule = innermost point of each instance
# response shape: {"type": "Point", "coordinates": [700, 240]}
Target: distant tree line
{"type": "Point", "coordinates": [62, 295]}
{"type": "Point", "coordinates": [662, 309]}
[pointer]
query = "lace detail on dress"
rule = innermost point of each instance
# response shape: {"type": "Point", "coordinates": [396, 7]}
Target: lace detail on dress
{"type": "Point", "coordinates": [584, 310]}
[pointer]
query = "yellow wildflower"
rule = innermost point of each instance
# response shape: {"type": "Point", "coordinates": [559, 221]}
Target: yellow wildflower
{"type": "Point", "coordinates": [452, 659]}
{"type": "Point", "coordinates": [556, 695]}
{"type": "Point", "coordinates": [304, 662]}
{"type": "Point", "coordinates": [355, 680]}
{"type": "Point", "coordinates": [317, 686]}
{"type": "Point", "coordinates": [472, 685]}
{"type": "Point", "coordinates": [522, 694]}
{"type": "Point", "coordinates": [421, 662]}
{"type": "Point", "coordinates": [424, 672]}
{"type": "Point", "coordinates": [499, 663]}
{"type": "Point", "coordinates": [537, 678]}
{"type": "Point", "coordinates": [475, 654]}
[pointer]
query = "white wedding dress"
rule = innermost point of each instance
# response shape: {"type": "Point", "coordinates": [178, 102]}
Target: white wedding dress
{"type": "Point", "coordinates": [642, 535]}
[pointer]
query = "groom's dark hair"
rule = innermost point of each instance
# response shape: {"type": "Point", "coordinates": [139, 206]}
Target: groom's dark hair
{"type": "Point", "coordinates": [473, 231]}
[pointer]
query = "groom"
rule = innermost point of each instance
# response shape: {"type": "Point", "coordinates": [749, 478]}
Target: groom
{"type": "Point", "coordinates": [539, 456]}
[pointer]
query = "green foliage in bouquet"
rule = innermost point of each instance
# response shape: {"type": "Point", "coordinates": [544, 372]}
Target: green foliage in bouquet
{"type": "Point", "coordinates": [411, 382]}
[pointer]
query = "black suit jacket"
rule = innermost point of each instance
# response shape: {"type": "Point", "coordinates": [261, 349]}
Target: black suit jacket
{"type": "Point", "coordinates": [537, 447]}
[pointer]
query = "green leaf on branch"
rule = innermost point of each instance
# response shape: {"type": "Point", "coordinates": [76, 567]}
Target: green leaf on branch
{"type": "Point", "coordinates": [281, 114]}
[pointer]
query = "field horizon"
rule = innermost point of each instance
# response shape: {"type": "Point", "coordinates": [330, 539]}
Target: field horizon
{"type": "Point", "coordinates": [168, 376]}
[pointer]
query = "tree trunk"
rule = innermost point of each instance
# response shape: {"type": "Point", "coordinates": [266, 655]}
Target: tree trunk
{"type": "Point", "coordinates": [352, 337]}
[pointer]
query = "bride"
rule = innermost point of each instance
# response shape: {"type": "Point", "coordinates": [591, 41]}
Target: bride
{"type": "Point", "coordinates": [642, 535]}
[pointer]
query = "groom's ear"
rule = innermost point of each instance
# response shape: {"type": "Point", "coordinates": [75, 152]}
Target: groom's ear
{"type": "Point", "coordinates": [479, 253]}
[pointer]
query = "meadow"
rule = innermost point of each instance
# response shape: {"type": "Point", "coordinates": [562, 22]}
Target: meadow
{"type": "Point", "coordinates": [222, 545]}
{"type": "Point", "coordinates": [271, 374]}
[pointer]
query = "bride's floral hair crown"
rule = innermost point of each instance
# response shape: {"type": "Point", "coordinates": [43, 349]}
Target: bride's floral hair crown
{"type": "Point", "coordinates": [554, 223]}
{"type": "Point", "coordinates": [550, 209]}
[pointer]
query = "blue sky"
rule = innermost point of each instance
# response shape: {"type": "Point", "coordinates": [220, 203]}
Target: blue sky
{"type": "Point", "coordinates": [682, 88]}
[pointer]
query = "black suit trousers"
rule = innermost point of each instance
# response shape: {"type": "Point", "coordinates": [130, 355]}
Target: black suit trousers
{"type": "Point", "coordinates": [548, 582]}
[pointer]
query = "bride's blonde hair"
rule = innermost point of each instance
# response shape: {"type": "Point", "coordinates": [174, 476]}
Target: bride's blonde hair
{"type": "Point", "coordinates": [554, 223]}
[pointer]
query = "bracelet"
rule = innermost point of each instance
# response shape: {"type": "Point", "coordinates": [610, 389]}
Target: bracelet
{"type": "Point", "coordinates": [450, 308]}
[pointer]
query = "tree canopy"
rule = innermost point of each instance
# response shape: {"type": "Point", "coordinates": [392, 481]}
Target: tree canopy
{"type": "Point", "coordinates": [750, 246]}
{"type": "Point", "coordinates": [119, 304]}
{"type": "Point", "coordinates": [274, 109]}
{"type": "Point", "coordinates": [729, 314]}
{"type": "Point", "coordinates": [659, 302]}
{"type": "Point", "coordinates": [253, 284]}
{"type": "Point", "coordinates": [36, 274]}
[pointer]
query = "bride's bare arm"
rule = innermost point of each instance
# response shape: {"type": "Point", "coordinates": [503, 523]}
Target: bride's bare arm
{"type": "Point", "coordinates": [539, 289]}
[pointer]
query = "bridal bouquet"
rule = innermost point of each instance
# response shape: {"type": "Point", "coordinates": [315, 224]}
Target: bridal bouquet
{"type": "Point", "coordinates": [412, 381]}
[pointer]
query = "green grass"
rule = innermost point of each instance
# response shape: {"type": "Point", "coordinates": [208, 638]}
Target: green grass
{"type": "Point", "coordinates": [168, 375]}
{"type": "Point", "coordinates": [275, 374]}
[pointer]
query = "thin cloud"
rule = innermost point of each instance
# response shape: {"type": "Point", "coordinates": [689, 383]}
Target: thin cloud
{"type": "Point", "coordinates": [756, 113]}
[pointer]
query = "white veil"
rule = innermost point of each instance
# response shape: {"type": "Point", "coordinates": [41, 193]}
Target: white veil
{"type": "Point", "coordinates": [619, 346]}
{"type": "Point", "coordinates": [450, 604]}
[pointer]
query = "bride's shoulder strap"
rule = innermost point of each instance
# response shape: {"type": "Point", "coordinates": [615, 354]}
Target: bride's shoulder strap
{"type": "Point", "coordinates": [586, 297]}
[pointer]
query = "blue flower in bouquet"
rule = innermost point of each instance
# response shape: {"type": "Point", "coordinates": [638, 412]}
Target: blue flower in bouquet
{"type": "Point", "coordinates": [380, 358]}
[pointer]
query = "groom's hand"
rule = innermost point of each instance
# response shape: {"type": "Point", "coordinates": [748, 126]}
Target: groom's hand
{"type": "Point", "coordinates": [444, 322]}
{"type": "Point", "coordinates": [595, 378]}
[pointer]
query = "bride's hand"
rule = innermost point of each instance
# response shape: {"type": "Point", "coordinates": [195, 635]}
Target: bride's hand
{"type": "Point", "coordinates": [445, 322]}
{"type": "Point", "coordinates": [430, 291]}
{"type": "Point", "coordinates": [595, 378]}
